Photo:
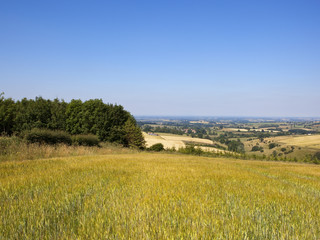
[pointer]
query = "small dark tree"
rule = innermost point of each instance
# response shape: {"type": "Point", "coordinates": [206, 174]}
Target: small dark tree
{"type": "Point", "coordinates": [133, 134]}
{"type": "Point", "coordinates": [255, 148]}
{"type": "Point", "coordinates": [236, 146]}
{"type": "Point", "coordinates": [272, 145]}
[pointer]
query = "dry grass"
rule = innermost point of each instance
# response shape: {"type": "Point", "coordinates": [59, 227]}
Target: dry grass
{"type": "Point", "coordinates": [14, 149]}
{"type": "Point", "coordinates": [158, 196]}
{"type": "Point", "coordinates": [310, 141]}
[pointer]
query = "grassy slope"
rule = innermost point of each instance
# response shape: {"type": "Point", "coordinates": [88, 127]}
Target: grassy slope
{"type": "Point", "coordinates": [158, 196]}
{"type": "Point", "coordinates": [303, 145]}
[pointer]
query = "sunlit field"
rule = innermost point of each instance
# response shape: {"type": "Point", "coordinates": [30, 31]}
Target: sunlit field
{"type": "Point", "coordinates": [311, 141]}
{"type": "Point", "coordinates": [158, 196]}
{"type": "Point", "coordinates": [172, 140]}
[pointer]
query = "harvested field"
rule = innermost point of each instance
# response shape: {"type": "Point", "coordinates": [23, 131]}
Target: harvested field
{"type": "Point", "coordinates": [170, 140]}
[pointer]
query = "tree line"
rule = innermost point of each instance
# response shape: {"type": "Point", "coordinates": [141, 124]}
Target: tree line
{"type": "Point", "coordinates": [107, 121]}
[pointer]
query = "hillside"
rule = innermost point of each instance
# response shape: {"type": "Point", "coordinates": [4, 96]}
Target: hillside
{"type": "Point", "coordinates": [289, 146]}
{"type": "Point", "coordinates": [158, 196]}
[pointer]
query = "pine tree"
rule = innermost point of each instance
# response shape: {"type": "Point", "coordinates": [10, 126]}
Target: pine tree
{"type": "Point", "coordinates": [133, 134]}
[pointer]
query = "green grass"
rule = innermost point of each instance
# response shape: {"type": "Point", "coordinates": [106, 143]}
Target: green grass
{"type": "Point", "coordinates": [158, 196]}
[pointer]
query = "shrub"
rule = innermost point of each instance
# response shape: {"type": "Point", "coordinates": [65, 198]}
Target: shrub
{"type": "Point", "coordinates": [45, 136]}
{"type": "Point", "coordinates": [156, 147]}
{"type": "Point", "coordinates": [191, 150]}
{"type": "Point", "coordinates": [9, 143]}
{"type": "Point", "coordinates": [272, 145]}
{"type": "Point", "coordinates": [85, 140]}
{"type": "Point", "coordinates": [236, 146]}
{"type": "Point", "coordinates": [256, 148]}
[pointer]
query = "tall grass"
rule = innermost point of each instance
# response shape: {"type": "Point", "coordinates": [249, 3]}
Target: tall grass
{"type": "Point", "coordinates": [17, 149]}
{"type": "Point", "coordinates": [158, 196]}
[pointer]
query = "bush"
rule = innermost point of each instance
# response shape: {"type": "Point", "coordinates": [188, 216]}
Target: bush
{"type": "Point", "coordinates": [85, 140]}
{"type": "Point", "coordinates": [236, 146]}
{"type": "Point", "coordinates": [256, 148]}
{"type": "Point", "coordinates": [156, 147]}
{"type": "Point", "coordinates": [272, 145]}
{"type": "Point", "coordinates": [44, 136]}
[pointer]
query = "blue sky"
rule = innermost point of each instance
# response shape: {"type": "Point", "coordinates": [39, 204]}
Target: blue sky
{"type": "Point", "coordinates": [209, 58]}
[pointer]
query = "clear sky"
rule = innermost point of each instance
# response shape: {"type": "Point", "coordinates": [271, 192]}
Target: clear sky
{"type": "Point", "coordinates": [209, 58]}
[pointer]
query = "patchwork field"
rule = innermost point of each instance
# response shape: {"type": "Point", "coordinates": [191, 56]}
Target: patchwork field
{"type": "Point", "coordinates": [158, 196]}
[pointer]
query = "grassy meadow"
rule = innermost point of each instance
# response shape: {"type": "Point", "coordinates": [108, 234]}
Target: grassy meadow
{"type": "Point", "coordinates": [158, 196]}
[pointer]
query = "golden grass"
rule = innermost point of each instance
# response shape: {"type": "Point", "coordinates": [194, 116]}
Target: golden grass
{"type": "Point", "coordinates": [17, 150]}
{"type": "Point", "coordinates": [158, 196]}
{"type": "Point", "coordinates": [310, 141]}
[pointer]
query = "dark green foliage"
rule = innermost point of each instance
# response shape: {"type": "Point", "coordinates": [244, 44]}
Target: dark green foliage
{"type": "Point", "coordinates": [7, 115]}
{"type": "Point", "coordinates": [156, 147]}
{"type": "Point", "coordinates": [257, 148]}
{"type": "Point", "coordinates": [165, 129]}
{"type": "Point", "coordinates": [274, 153]}
{"type": "Point", "coordinates": [317, 155]}
{"type": "Point", "coordinates": [132, 135]}
{"type": "Point", "coordinates": [108, 122]}
{"type": "Point", "coordinates": [74, 117]}
{"type": "Point", "coordinates": [272, 145]}
{"type": "Point", "coordinates": [236, 146]}
{"type": "Point", "coordinates": [46, 136]}
{"type": "Point", "coordinates": [85, 140]}
{"type": "Point", "coordinates": [58, 115]}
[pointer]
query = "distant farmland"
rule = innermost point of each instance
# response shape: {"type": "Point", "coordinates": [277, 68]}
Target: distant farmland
{"type": "Point", "coordinates": [178, 141]}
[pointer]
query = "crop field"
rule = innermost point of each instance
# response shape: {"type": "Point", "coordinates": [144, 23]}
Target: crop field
{"type": "Point", "coordinates": [171, 140]}
{"type": "Point", "coordinates": [310, 141]}
{"type": "Point", "coordinates": [158, 196]}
